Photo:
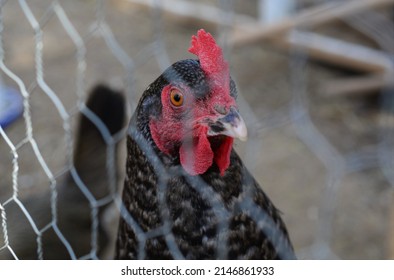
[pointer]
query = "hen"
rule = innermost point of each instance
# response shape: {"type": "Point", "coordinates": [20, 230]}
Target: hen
{"type": "Point", "coordinates": [187, 193]}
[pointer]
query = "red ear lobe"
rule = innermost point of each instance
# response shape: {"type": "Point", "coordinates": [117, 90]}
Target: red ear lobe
{"type": "Point", "coordinates": [197, 157]}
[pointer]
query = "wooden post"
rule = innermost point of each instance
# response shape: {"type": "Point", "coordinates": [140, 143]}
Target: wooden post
{"type": "Point", "coordinates": [337, 52]}
{"type": "Point", "coordinates": [192, 11]}
{"type": "Point", "coordinates": [314, 16]}
{"type": "Point", "coordinates": [360, 85]}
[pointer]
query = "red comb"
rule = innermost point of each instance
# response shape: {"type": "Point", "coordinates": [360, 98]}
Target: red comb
{"type": "Point", "coordinates": [211, 59]}
{"type": "Point", "coordinates": [209, 53]}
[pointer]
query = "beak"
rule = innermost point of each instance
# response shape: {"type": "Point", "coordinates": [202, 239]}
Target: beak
{"type": "Point", "coordinates": [231, 125]}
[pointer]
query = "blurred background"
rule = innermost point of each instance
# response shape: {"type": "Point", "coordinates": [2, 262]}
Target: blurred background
{"type": "Point", "coordinates": [316, 88]}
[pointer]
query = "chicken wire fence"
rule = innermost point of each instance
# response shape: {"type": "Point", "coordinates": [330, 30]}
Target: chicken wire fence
{"type": "Point", "coordinates": [330, 167]}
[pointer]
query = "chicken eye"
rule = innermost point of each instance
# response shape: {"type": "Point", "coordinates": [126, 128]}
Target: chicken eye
{"type": "Point", "coordinates": [176, 98]}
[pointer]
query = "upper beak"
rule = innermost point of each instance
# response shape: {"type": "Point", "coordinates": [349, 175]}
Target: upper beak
{"type": "Point", "coordinates": [231, 125]}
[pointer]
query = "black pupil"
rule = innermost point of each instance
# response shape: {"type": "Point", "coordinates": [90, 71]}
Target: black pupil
{"type": "Point", "coordinates": [177, 97]}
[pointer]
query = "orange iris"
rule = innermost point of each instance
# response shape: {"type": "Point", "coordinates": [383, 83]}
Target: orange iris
{"type": "Point", "coordinates": [176, 98]}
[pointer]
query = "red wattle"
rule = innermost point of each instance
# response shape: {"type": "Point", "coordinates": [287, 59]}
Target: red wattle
{"type": "Point", "coordinates": [222, 154]}
{"type": "Point", "coordinates": [197, 157]}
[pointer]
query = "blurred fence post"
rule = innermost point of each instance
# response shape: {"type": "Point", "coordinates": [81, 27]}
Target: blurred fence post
{"type": "Point", "coordinates": [274, 10]}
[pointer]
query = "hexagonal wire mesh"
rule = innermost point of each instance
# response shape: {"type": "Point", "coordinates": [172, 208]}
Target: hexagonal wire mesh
{"type": "Point", "coordinates": [326, 162]}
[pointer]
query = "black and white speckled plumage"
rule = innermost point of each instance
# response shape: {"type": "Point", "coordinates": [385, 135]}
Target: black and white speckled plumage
{"type": "Point", "coordinates": [170, 214]}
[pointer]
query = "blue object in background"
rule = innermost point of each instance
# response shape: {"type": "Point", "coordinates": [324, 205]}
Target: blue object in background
{"type": "Point", "coordinates": [11, 105]}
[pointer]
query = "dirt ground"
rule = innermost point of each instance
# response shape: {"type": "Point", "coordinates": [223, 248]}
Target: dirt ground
{"type": "Point", "coordinates": [331, 212]}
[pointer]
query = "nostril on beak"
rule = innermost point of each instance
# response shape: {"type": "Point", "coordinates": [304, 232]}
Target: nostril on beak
{"type": "Point", "coordinates": [221, 109]}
